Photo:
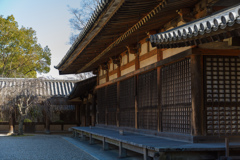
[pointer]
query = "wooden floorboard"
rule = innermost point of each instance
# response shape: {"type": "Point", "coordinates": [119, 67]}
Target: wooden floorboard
{"type": "Point", "coordinates": [156, 143]}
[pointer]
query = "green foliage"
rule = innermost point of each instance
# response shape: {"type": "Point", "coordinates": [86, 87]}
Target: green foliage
{"type": "Point", "coordinates": [27, 120]}
{"type": "Point", "coordinates": [59, 121]}
{"type": "Point", "coordinates": [20, 54]}
{"type": "Point", "coordinates": [35, 112]}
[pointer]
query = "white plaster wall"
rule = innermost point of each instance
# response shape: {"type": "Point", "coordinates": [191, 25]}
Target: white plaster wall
{"type": "Point", "coordinates": [100, 72]}
{"type": "Point", "coordinates": [131, 57]}
{"type": "Point", "coordinates": [124, 59]}
{"type": "Point", "coordinates": [115, 66]}
{"type": "Point", "coordinates": [110, 66]}
{"type": "Point", "coordinates": [101, 81]}
{"type": "Point", "coordinates": [148, 61]}
{"type": "Point", "coordinates": [144, 49]}
{"type": "Point", "coordinates": [114, 76]}
{"type": "Point", "coordinates": [128, 70]}
{"type": "Point", "coordinates": [150, 47]}
{"type": "Point", "coordinates": [173, 51]}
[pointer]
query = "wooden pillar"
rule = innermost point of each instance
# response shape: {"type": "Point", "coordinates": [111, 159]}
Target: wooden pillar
{"type": "Point", "coordinates": [77, 114]}
{"type": "Point", "coordinates": [197, 94]}
{"type": "Point", "coordinates": [136, 100]}
{"type": "Point", "coordinates": [121, 152]}
{"type": "Point", "coordinates": [159, 58]}
{"type": "Point", "coordinates": [159, 114]}
{"type": "Point", "coordinates": [118, 103]}
{"type": "Point", "coordinates": [93, 115]}
{"type": "Point", "coordinates": [82, 110]}
{"type": "Point", "coordinates": [106, 109]}
{"type": "Point", "coordinates": [105, 144]}
{"type": "Point", "coordinates": [87, 113]}
{"type": "Point", "coordinates": [137, 64]}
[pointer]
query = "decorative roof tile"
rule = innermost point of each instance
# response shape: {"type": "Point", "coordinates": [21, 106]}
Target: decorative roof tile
{"type": "Point", "coordinates": [198, 28]}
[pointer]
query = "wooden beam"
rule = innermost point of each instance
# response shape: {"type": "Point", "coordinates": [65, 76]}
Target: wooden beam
{"type": "Point", "coordinates": [166, 61]}
{"type": "Point", "coordinates": [134, 28]}
{"type": "Point", "coordinates": [149, 54]}
{"type": "Point", "coordinates": [227, 52]}
{"type": "Point", "coordinates": [132, 49]}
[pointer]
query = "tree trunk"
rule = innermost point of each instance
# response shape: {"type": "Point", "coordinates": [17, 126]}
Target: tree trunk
{"type": "Point", "coordinates": [11, 123]}
{"type": "Point", "coordinates": [20, 125]}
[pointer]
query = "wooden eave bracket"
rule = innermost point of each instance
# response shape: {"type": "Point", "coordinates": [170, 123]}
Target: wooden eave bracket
{"type": "Point", "coordinates": [134, 49]}
{"type": "Point", "coordinates": [105, 66]}
{"type": "Point", "coordinates": [95, 71]}
{"type": "Point", "coordinates": [186, 15]}
{"type": "Point", "coordinates": [116, 60]}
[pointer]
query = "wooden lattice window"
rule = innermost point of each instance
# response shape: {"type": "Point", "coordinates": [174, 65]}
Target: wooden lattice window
{"type": "Point", "coordinates": [147, 100]}
{"type": "Point", "coordinates": [101, 105]}
{"type": "Point", "coordinates": [112, 104]}
{"type": "Point", "coordinates": [127, 103]}
{"type": "Point", "coordinates": [222, 94]}
{"type": "Point", "coordinates": [176, 97]}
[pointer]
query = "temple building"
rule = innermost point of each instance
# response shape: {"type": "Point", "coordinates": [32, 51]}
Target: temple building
{"type": "Point", "coordinates": [166, 68]}
{"type": "Point", "coordinates": [56, 112]}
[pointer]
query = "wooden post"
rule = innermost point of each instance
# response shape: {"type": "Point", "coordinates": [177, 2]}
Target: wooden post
{"type": "Point", "coordinates": [226, 147]}
{"type": "Point", "coordinates": [77, 114]}
{"type": "Point", "coordinates": [197, 94]}
{"type": "Point", "coordinates": [159, 114]}
{"type": "Point", "coordinates": [106, 108]}
{"type": "Point", "coordinates": [121, 152]}
{"type": "Point", "coordinates": [145, 154]}
{"type": "Point", "coordinates": [87, 113]}
{"type": "Point", "coordinates": [136, 100]}
{"type": "Point", "coordinates": [137, 65]}
{"type": "Point", "coordinates": [91, 140]}
{"type": "Point", "coordinates": [159, 58]}
{"type": "Point", "coordinates": [93, 109]}
{"type": "Point", "coordinates": [105, 144]}
{"type": "Point", "coordinates": [83, 117]}
{"type": "Point", "coordinates": [118, 102]}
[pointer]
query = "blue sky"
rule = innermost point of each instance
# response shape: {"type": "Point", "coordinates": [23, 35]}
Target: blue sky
{"type": "Point", "coordinates": [50, 20]}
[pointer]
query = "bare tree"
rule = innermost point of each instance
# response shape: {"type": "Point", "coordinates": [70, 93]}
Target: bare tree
{"type": "Point", "coordinates": [80, 17]}
{"type": "Point", "coordinates": [21, 96]}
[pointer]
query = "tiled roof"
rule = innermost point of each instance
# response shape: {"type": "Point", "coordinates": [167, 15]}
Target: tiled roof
{"type": "Point", "coordinates": [42, 87]}
{"type": "Point", "coordinates": [192, 32]}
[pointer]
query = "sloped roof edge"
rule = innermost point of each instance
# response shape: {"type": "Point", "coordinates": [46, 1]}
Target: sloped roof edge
{"type": "Point", "coordinates": [102, 5]}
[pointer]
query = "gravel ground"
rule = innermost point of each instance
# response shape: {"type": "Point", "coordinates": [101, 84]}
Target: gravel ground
{"type": "Point", "coordinates": [39, 147]}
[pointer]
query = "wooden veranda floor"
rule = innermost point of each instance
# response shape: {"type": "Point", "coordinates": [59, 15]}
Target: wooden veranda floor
{"type": "Point", "coordinates": [147, 145]}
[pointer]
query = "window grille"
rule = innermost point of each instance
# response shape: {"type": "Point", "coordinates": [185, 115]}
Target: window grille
{"type": "Point", "coordinates": [127, 103]}
{"type": "Point", "coordinates": [101, 105]}
{"type": "Point", "coordinates": [112, 104]}
{"type": "Point", "coordinates": [148, 100]}
{"type": "Point", "coordinates": [176, 97]}
{"type": "Point", "coordinates": [222, 94]}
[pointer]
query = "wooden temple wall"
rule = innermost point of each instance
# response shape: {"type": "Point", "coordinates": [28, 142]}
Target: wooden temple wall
{"type": "Point", "coordinates": [195, 91]}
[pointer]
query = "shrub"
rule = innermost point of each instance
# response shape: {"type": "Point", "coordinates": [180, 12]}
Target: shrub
{"type": "Point", "coordinates": [59, 121]}
{"type": "Point", "coordinates": [27, 120]}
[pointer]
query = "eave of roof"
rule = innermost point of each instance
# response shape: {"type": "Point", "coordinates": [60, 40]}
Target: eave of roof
{"type": "Point", "coordinates": [103, 4]}
{"type": "Point", "coordinates": [81, 87]}
{"type": "Point", "coordinates": [206, 29]}
{"type": "Point", "coordinates": [126, 26]}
